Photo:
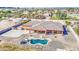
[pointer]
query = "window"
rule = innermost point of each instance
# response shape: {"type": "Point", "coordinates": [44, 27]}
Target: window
{"type": "Point", "coordinates": [55, 32]}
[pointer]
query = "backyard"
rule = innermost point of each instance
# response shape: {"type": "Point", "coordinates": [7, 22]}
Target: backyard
{"type": "Point", "coordinates": [13, 47]}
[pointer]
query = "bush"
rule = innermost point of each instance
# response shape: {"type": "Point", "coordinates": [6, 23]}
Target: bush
{"type": "Point", "coordinates": [77, 30]}
{"type": "Point", "coordinates": [67, 22]}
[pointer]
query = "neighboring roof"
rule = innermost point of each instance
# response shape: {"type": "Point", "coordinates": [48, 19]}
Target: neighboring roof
{"type": "Point", "coordinates": [49, 25]}
{"type": "Point", "coordinates": [6, 24]}
{"type": "Point", "coordinates": [13, 33]}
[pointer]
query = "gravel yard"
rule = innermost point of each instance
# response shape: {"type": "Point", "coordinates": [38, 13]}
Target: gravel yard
{"type": "Point", "coordinates": [57, 42]}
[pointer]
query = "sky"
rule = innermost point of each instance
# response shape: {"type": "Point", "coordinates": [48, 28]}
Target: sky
{"type": "Point", "coordinates": [39, 3]}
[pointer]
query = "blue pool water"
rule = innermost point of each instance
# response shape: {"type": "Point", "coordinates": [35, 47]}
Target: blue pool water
{"type": "Point", "coordinates": [36, 41]}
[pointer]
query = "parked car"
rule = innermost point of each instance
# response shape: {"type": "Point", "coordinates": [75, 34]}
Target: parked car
{"type": "Point", "coordinates": [25, 41]}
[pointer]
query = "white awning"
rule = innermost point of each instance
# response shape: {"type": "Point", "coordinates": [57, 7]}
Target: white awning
{"type": "Point", "coordinates": [13, 33]}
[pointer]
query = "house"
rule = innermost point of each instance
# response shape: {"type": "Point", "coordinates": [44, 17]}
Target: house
{"type": "Point", "coordinates": [17, 20]}
{"type": "Point", "coordinates": [44, 27]}
{"type": "Point", "coordinates": [76, 16]}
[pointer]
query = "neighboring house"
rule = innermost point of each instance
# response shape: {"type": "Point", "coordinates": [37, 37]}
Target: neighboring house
{"type": "Point", "coordinates": [75, 24]}
{"type": "Point", "coordinates": [6, 24]}
{"type": "Point", "coordinates": [46, 27]}
{"type": "Point", "coordinates": [25, 12]}
{"type": "Point", "coordinates": [17, 20]}
{"type": "Point", "coordinates": [47, 15]}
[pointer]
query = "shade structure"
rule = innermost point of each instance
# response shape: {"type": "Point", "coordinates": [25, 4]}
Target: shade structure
{"type": "Point", "coordinates": [65, 30]}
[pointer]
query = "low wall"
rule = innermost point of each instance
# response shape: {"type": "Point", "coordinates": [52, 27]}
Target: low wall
{"type": "Point", "coordinates": [73, 33]}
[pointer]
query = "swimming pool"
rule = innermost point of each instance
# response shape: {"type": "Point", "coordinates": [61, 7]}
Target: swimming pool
{"type": "Point", "coordinates": [38, 41]}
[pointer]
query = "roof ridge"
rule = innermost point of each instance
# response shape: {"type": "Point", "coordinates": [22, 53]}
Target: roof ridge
{"type": "Point", "coordinates": [37, 24]}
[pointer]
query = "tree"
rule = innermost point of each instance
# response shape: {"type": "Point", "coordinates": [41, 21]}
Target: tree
{"type": "Point", "coordinates": [77, 30]}
{"type": "Point", "coordinates": [67, 22]}
{"type": "Point", "coordinates": [61, 15]}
